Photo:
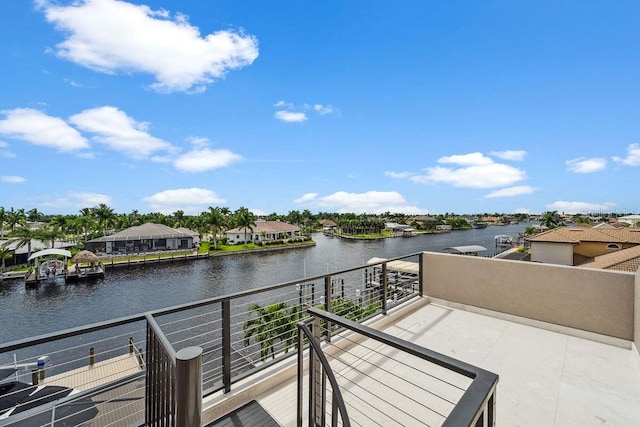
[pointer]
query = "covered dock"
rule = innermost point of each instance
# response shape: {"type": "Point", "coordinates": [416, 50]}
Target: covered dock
{"type": "Point", "coordinates": [49, 268]}
{"type": "Point", "coordinates": [466, 250]}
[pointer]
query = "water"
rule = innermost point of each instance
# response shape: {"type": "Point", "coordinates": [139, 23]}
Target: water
{"type": "Point", "coordinates": [125, 291]}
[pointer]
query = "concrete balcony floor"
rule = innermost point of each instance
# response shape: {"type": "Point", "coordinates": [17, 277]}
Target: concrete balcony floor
{"type": "Point", "coordinates": [547, 378]}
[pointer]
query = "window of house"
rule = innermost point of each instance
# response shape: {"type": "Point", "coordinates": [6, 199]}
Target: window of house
{"type": "Point", "coordinates": [613, 246]}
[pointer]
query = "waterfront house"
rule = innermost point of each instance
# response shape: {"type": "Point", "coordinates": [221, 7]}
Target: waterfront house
{"type": "Point", "coordinates": [328, 225]}
{"type": "Point", "coordinates": [263, 231]}
{"type": "Point", "coordinates": [142, 238]}
{"type": "Point", "coordinates": [580, 245]}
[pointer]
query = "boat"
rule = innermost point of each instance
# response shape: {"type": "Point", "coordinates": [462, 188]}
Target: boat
{"type": "Point", "coordinates": [47, 266]}
{"type": "Point", "coordinates": [503, 240]}
{"type": "Point", "coordinates": [480, 225]}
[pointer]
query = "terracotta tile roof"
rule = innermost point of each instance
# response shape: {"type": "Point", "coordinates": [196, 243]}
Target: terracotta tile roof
{"type": "Point", "coordinates": [268, 227]}
{"type": "Point", "coordinates": [623, 260]}
{"type": "Point", "coordinates": [582, 234]}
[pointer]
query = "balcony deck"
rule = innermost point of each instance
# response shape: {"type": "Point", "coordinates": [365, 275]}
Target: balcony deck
{"type": "Point", "coordinates": [547, 378]}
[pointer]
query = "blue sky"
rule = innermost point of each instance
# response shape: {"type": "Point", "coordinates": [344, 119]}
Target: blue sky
{"type": "Point", "coordinates": [420, 107]}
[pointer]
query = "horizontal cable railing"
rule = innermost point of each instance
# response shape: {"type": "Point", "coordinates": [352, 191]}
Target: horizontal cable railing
{"type": "Point", "coordinates": [239, 334]}
{"type": "Point", "coordinates": [384, 380]}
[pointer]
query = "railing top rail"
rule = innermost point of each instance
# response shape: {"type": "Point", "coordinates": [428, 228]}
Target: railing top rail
{"type": "Point", "coordinates": [471, 402]}
{"type": "Point", "coordinates": [40, 339]}
{"type": "Point", "coordinates": [162, 338]}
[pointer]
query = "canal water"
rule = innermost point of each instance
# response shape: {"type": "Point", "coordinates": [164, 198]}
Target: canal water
{"type": "Point", "coordinates": [130, 290]}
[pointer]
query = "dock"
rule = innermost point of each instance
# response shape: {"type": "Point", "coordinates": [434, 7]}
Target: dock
{"type": "Point", "coordinates": [101, 373]}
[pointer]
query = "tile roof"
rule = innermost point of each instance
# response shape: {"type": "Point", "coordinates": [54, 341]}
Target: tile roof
{"type": "Point", "coordinates": [622, 260]}
{"type": "Point", "coordinates": [582, 234]}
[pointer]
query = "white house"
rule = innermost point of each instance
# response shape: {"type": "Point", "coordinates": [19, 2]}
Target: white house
{"type": "Point", "coordinates": [263, 231]}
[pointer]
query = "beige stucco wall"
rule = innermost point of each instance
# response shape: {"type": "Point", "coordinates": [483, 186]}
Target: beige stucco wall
{"type": "Point", "coordinates": [636, 329]}
{"type": "Point", "coordinates": [599, 301]}
{"type": "Point", "coordinates": [552, 253]}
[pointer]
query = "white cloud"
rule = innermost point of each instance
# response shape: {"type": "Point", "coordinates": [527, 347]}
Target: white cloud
{"type": "Point", "coordinates": [633, 156]}
{"type": "Point", "coordinates": [306, 198]}
{"type": "Point", "coordinates": [323, 109]}
{"type": "Point", "coordinates": [37, 128]}
{"type": "Point", "coordinates": [398, 174]}
{"type": "Point", "coordinates": [511, 192]}
{"type": "Point", "coordinates": [284, 104]}
{"type": "Point", "coordinates": [12, 179]}
{"type": "Point", "coordinates": [200, 160]}
{"type": "Point", "coordinates": [475, 171]}
{"type": "Point", "coordinates": [113, 36]}
{"type": "Point", "coordinates": [190, 200]}
{"type": "Point", "coordinates": [580, 207]}
{"type": "Point", "coordinates": [290, 116]}
{"type": "Point", "coordinates": [584, 165]}
{"type": "Point", "coordinates": [471, 159]}
{"type": "Point", "coordinates": [115, 129]}
{"type": "Point", "coordinates": [514, 155]}
{"type": "Point", "coordinates": [371, 202]}
{"type": "Point", "coordinates": [77, 200]}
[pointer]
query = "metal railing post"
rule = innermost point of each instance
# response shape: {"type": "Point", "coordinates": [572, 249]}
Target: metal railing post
{"type": "Point", "coordinates": [327, 303]}
{"type": "Point", "coordinates": [384, 288]}
{"type": "Point", "coordinates": [188, 391]}
{"type": "Point", "coordinates": [226, 345]}
{"type": "Point", "coordinates": [421, 274]}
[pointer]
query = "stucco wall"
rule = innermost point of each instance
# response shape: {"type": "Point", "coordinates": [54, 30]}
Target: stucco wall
{"type": "Point", "coordinates": [598, 301]}
{"type": "Point", "coordinates": [636, 329]}
{"type": "Point", "coordinates": [552, 253]}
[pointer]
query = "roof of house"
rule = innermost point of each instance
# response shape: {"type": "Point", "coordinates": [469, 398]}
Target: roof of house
{"type": "Point", "coordinates": [622, 260]}
{"type": "Point", "coordinates": [268, 227]}
{"type": "Point", "coordinates": [188, 231]}
{"type": "Point", "coordinates": [328, 223]}
{"type": "Point", "coordinates": [148, 230]}
{"type": "Point", "coordinates": [576, 235]}
{"type": "Point", "coordinates": [423, 218]}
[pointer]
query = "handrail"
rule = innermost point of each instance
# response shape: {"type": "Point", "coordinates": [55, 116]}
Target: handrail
{"type": "Point", "coordinates": [66, 333]}
{"type": "Point", "coordinates": [472, 402]}
{"type": "Point", "coordinates": [337, 394]}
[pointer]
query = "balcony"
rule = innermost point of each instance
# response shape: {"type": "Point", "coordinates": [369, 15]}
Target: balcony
{"type": "Point", "coordinates": [562, 341]}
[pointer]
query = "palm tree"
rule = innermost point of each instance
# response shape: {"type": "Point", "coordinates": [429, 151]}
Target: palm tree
{"type": "Point", "coordinates": [244, 219]}
{"type": "Point", "coordinates": [272, 323]}
{"type": "Point", "coordinates": [551, 219]}
{"type": "Point", "coordinates": [50, 234]}
{"type": "Point", "coordinates": [104, 215]}
{"type": "Point", "coordinates": [216, 220]}
{"type": "Point", "coordinates": [3, 219]}
{"type": "Point", "coordinates": [5, 254]}
{"type": "Point", "coordinates": [16, 218]}
{"type": "Point", "coordinates": [178, 218]}
{"type": "Point", "coordinates": [294, 217]}
{"type": "Point", "coordinates": [23, 237]}
{"type": "Point", "coordinates": [34, 215]}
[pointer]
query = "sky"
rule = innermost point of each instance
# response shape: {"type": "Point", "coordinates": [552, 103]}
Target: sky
{"type": "Point", "coordinates": [415, 107]}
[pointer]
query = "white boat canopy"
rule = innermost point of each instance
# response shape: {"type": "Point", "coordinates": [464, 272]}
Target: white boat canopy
{"type": "Point", "coordinates": [467, 250]}
{"type": "Point", "coordinates": [401, 266]}
{"type": "Point", "coordinates": [46, 252]}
